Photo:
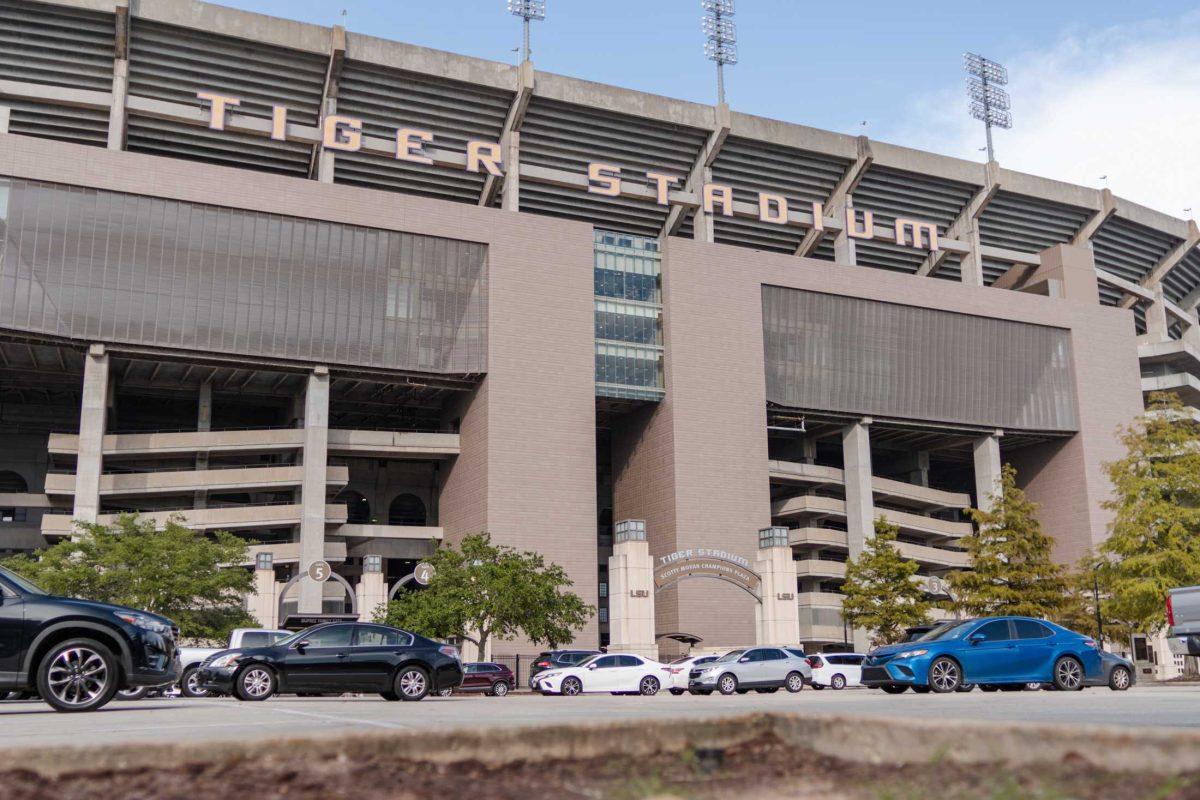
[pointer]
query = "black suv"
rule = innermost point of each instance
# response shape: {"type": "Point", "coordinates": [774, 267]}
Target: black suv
{"type": "Point", "coordinates": [336, 657]}
{"type": "Point", "coordinates": [76, 653]}
{"type": "Point", "coordinates": [557, 659]}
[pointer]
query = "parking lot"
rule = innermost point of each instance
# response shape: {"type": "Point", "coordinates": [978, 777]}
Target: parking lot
{"type": "Point", "coordinates": [32, 724]}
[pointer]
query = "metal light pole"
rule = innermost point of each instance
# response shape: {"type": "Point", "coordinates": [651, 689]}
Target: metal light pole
{"type": "Point", "coordinates": [989, 103]}
{"type": "Point", "coordinates": [721, 39]}
{"type": "Point", "coordinates": [527, 10]}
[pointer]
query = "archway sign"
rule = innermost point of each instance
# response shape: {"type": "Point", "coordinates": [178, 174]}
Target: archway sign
{"type": "Point", "coordinates": [703, 562]}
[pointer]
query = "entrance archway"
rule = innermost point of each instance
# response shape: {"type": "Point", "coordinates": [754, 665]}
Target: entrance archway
{"type": "Point", "coordinates": [407, 509]}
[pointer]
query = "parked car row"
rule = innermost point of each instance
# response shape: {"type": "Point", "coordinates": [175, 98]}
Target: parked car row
{"type": "Point", "coordinates": [78, 655]}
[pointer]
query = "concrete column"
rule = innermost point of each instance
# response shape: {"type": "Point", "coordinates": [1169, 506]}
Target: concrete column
{"type": "Point", "coordinates": [971, 265]}
{"type": "Point", "coordinates": [631, 591]}
{"type": "Point", "coordinates": [5, 115]}
{"type": "Point", "coordinates": [312, 492]}
{"type": "Point", "coordinates": [1157, 323]}
{"type": "Point", "coordinates": [808, 450]}
{"type": "Point", "coordinates": [93, 416]}
{"type": "Point", "coordinates": [372, 589]}
{"type": "Point", "coordinates": [986, 452]}
{"type": "Point", "coordinates": [116, 112]}
{"type": "Point", "coordinates": [203, 423]}
{"type": "Point", "coordinates": [778, 616]}
{"type": "Point", "coordinates": [510, 191]}
{"type": "Point", "coordinates": [860, 502]}
{"type": "Point", "coordinates": [263, 605]}
{"type": "Point", "coordinates": [325, 158]}
{"type": "Point", "coordinates": [703, 229]}
{"type": "Point", "coordinates": [860, 499]}
{"type": "Point", "coordinates": [844, 247]}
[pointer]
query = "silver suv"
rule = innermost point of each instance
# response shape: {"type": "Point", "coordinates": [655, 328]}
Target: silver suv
{"type": "Point", "coordinates": [764, 669]}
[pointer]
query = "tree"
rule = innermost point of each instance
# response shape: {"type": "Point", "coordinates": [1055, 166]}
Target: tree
{"type": "Point", "coordinates": [880, 593]}
{"type": "Point", "coordinates": [176, 572]}
{"type": "Point", "coordinates": [480, 590]}
{"type": "Point", "coordinates": [1012, 571]}
{"type": "Point", "coordinates": [1154, 538]}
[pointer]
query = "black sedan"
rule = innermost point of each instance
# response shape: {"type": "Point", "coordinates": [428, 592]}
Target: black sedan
{"type": "Point", "coordinates": [334, 658]}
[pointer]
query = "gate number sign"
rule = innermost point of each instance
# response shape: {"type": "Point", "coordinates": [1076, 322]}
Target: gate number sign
{"type": "Point", "coordinates": [423, 574]}
{"type": "Point", "coordinates": [319, 571]}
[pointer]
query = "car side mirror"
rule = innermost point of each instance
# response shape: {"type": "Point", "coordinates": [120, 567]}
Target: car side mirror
{"type": "Point", "coordinates": [976, 638]}
{"type": "Point", "coordinates": [301, 645]}
{"type": "Point", "coordinates": [743, 659]}
{"type": "Point", "coordinates": [591, 666]}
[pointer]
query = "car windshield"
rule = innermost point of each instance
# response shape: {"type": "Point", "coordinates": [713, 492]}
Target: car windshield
{"type": "Point", "coordinates": [732, 655]}
{"type": "Point", "coordinates": [21, 583]}
{"type": "Point", "coordinates": [949, 630]}
{"type": "Point", "coordinates": [585, 662]}
{"type": "Point", "coordinates": [288, 641]}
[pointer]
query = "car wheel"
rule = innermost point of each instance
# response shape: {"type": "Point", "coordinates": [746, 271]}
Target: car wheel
{"type": "Point", "coordinates": [895, 688]}
{"type": "Point", "coordinates": [571, 686]}
{"type": "Point", "coordinates": [678, 692]}
{"type": "Point", "coordinates": [499, 689]}
{"type": "Point", "coordinates": [701, 692]}
{"type": "Point", "coordinates": [944, 675]}
{"type": "Point", "coordinates": [189, 684]}
{"type": "Point", "coordinates": [837, 682]}
{"type": "Point", "coordinates": [77, 675]}
{"type": "Point", "coordinates": [818, 686]}
{"type": "Point", "coordinates": [769, 690]}
{"type": "Point", "coordinates": [391, 697]}
{"type": "Point", "coordinates": [136, 693]}
{"type": "Point", "coordinates": [446, 693]}
{"type": "Point", "coordinates": [649, 686]}
{"type": "Point", "coordinates": [794, 682]}
{"type": "Point", "coordinates": [1068, 674]}
{"type": "Point", "coordinates": [1119, 679]}
{"type": "Point", "coordinates": [727, 684]}
{"type": "Point", "coordinates": [412, 683]}
{"type": "Point", "coordinates": [966, 687]}
{"type": "Point", "coordinates": [254, 683]}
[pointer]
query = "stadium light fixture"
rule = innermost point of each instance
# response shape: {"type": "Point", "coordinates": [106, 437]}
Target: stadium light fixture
{"type": "Point", "coordinates": [989, 103]}
{"type": "Point", "coordinates": [527, 10]}
{"type": "Point", "coordinates": [720, 34]}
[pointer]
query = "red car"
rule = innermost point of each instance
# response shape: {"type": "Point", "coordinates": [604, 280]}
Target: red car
{"type": "Point", "coordinates": [494, 679]}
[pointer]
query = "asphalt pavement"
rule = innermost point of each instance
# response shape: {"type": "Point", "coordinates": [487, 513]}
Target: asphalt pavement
{"type": "Point", "coordinates": [33, 724]}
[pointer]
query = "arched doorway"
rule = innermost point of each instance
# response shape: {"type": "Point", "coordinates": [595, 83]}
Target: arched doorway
{"type": "Point", "coordinates": [358, 508]}
{"type": "Point", "coordinates": [12, 483]}
{"type": "Point", "coordinates": [407, 509]}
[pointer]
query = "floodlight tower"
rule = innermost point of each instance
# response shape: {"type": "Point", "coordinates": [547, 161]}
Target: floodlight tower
{"type": "Point", "coordinates": [721, 39]}
{"type": "Point", "coordinates": [527, 10]}
{"type": "Point", "coordinates": [989, 103]}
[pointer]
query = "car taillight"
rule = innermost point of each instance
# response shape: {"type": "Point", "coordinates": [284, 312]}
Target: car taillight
{"type": "Point", "coordinates": [1170, 612]}
{"type": "Point", "coordinates": [542, 664]}
{"type": "Point", "coordinates": [447, 650]}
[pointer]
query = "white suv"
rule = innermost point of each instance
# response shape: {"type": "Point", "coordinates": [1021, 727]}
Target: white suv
{"type": "Point", "coordinates": [836, 670]}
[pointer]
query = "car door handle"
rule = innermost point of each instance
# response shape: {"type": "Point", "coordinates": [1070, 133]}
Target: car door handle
{"type": "Point", "coordinates": [342, 655]}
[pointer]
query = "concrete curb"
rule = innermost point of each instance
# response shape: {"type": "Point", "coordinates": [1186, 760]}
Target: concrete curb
{"type": "Point", "coordinates": [878, 741]}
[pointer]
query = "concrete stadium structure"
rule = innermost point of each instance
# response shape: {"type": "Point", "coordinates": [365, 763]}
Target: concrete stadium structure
{"type": "Point", "coordinates": [350, 298]}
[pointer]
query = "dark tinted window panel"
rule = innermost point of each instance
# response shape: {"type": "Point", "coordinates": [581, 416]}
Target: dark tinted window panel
{"type": "Point", "coordinates": [106, 266]}
{"type": "Point", "coordinates": [831, 353]}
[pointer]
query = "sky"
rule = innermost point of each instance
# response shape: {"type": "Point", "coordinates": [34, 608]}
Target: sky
{"type": "Point", "coordinates": [1105, 92]}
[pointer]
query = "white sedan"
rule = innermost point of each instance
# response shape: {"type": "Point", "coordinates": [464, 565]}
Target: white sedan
{"type": "Point", "coordinates": [680, 670]}
{"type": "Point", "coordinates": [608, 672]}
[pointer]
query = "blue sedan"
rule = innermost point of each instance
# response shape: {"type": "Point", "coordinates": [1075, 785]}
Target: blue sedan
{"type": "Point", "coordinates": [991, 652]}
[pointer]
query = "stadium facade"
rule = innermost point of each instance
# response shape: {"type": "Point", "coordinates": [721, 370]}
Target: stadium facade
{"type": "Point", "coordinates": [351, 298]}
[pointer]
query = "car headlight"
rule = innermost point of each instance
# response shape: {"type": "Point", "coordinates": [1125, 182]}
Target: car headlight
{"type": "Point", "coordinates": [226, 660]}
{"type": "Point", "coordinates": [142, 621]}
{"type": "Point", "coordinates": [548, 675]}
{"type": "Point", "coordinates": [912, 653]}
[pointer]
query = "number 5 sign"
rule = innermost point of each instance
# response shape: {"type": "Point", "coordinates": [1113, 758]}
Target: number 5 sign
{"type": "Point", "coordinates": [319, 571]}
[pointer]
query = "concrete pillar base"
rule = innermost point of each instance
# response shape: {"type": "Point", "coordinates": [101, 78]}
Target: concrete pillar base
{"type": "Point", "coordinates": [777, 616]}
{"type": "Point", "coordinates": [631, 592]}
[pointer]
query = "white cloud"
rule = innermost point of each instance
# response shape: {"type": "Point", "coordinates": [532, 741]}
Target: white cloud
{"type": "Point", "coordinates": [1122, 102]}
